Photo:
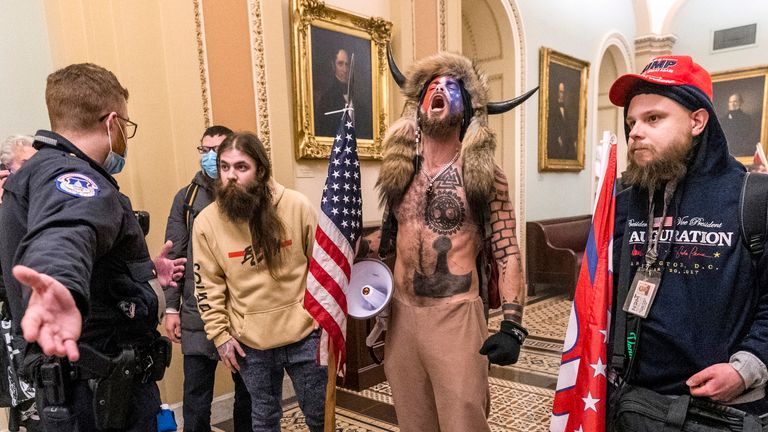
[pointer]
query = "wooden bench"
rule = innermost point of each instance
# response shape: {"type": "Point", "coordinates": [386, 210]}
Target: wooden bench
{"type": "Point", "coordinates": [555, 248]}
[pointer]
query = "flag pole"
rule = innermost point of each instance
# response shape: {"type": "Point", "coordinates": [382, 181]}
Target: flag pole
{"type": "Point", "coordinates": [330, 391]}
{"type": "Point", "coordinates": [330, 386]}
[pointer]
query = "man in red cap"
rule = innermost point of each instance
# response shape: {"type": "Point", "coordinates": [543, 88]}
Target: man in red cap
{"type": "Point", "coordinates": [699, 337]}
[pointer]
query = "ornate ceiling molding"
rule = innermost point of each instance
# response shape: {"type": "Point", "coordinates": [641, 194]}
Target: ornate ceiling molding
{"type": "Point", "coordinates": [653, 45]}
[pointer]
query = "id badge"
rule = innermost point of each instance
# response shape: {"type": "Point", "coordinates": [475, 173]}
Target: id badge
{"type": "Point", "coordinates": [642, 292]}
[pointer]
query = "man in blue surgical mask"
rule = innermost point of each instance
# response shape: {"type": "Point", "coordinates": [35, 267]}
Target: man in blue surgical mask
{"type": "Point", "coordinates": [77, 269]}
{"type": "Point", "coordinates": [182, 319]}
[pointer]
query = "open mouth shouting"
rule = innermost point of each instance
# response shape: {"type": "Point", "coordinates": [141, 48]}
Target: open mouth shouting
{"type": "Point", "coordinates": [438, 103]}
{"type": "Point", "coordinates": [442, 97]}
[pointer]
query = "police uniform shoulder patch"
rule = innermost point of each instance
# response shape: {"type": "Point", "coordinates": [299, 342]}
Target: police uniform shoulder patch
{"type": "Point", "coordinates": [78, 185]}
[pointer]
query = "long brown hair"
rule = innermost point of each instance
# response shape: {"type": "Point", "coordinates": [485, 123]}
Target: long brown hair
{"type": "Point", "coordinates": [267, 230]}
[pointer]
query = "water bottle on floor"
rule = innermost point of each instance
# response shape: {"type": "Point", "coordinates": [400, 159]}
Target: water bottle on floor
{"type": "Point", "coordinates": [166, 421]}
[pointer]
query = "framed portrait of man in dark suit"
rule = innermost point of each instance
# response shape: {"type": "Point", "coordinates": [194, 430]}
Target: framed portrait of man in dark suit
{"type": "Point", "coordinates": [339, 62]}
{"type": "Point", "coordinates": [562, 111]}
{"type": "Point", "coordinates": [333, 85]}
{"type": "Point", "coordinates": [740, 99]}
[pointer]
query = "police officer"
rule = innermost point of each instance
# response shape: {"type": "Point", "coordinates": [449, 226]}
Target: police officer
{"type": "Point", "coordinates": [72, 238]}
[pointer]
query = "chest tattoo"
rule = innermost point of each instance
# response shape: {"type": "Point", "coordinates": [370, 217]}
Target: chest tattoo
{"type": "Point", "coordinates": [441, 283]}
{"type": "Point", "coordinates": [444, 212]}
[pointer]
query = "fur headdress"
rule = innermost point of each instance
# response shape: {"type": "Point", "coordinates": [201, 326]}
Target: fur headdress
{"type": "Point", "coordinates": [477, 146]}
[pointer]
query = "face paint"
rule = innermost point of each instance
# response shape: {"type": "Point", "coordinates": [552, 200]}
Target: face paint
{"type": "Point", "coordinates": [449, 90]}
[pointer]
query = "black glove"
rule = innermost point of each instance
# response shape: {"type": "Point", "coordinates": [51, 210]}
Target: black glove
{"type": "Point", "coordinates": [503, 348]}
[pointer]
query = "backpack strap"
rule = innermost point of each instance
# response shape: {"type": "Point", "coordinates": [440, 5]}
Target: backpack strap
{"type": "Point", "coordinates": [388, 233]}
{"type": "Point", "coordinates": [189, 199]}
{"type": "Point", "coordinates": [754, 213]}
{"type": "Point", "coordinates": [619, 334]}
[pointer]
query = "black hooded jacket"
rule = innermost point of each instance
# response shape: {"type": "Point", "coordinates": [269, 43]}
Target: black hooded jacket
{"type": "Point", "coordinates": [64, 216]}
{"type": "Point", "coordinates": [182, 297]}
{"type": "Point", "coordinates": [712, 301]}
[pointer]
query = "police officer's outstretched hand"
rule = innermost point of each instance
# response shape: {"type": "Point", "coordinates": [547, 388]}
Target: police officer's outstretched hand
{"type": "Point", "coordinates": [52, 318]}
{"type": "Point", "coordinates": [228, 352]}
{"type": "Point", "coordinates": [169, 270]}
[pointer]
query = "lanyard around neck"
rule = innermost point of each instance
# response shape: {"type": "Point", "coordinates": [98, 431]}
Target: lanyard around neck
{"type": "Point", "coordinates": [652, 250]}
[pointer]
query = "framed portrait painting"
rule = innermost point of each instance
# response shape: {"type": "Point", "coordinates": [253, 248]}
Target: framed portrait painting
{"type": "Point", "coordinates": [339, 60]}
{"type": "Point", "coordinates": [562, 111]}
{"type": "Point", "coordinates": [740, 99]}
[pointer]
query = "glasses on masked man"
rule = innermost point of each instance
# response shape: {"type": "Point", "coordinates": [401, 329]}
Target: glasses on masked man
{"type": "Point", "coordinates": [204, 149]}
{"type": "Point", "coordinates": [130, 127]}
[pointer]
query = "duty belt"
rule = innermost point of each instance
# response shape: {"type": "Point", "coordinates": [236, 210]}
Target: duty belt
{"type": "Point", "coordinates": [95, 365]}
{"type": "Point", "coordinates": [112, 380]}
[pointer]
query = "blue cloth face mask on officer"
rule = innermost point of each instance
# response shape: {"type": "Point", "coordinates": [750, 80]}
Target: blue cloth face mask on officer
{"type": "Point", "coordinates": [114, 163]}
{"type": "Point", "coordinates": [208, 163]}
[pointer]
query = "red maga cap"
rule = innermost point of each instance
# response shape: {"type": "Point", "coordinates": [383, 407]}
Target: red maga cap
{"type": "Point", "coordinates": [664, 70]}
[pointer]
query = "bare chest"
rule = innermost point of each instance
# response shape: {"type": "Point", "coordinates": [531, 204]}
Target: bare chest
{"type": "Point", "coordinates": [437, 238]}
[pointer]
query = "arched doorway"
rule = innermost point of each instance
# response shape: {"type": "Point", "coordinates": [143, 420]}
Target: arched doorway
{"type": "Point", "coordinates": [614, 62]}
{"type": "Point", "coordinates": [491, 37]}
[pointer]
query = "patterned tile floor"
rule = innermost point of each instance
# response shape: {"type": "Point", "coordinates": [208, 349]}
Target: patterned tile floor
{"type": "Point", "coordinates": [346, 421]}
{"type": "Point", "coordinates": [545, 319]}
{"type": "Point", "coordinates": [521, 394]}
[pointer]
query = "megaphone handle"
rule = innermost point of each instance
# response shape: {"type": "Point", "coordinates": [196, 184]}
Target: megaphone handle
{"type": "Point", "coordinates": [375, 358]}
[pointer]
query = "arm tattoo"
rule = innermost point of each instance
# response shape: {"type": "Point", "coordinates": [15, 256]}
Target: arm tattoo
{"type": "Point", "coordinates": [513, 312]}
{"type": "Point", "coordinates": [504, 245]}
{"type": "Point", "coordinates": [503, 222]}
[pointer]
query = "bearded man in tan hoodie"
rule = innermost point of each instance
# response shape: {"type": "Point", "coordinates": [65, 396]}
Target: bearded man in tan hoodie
{"type": "Point", "coordinates": [251, 252]}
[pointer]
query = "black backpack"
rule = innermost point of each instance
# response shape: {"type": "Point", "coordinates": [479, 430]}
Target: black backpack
{"type": "Point", "coordinates": [189, 198]}
{"type": "Point", "coordinates": [754, 213]}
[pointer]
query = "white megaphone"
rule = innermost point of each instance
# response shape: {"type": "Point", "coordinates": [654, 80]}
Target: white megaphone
{"type": "Point", "coordinates": [370, 288]}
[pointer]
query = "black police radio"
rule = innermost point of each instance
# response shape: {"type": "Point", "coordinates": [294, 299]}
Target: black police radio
{"type": "Point", "coordinates": [143, 218]}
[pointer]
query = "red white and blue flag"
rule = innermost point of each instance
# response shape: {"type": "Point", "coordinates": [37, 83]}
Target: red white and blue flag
{"type": "Point", "coordinates": [760, 160]}
{"type": "Point", "coordinates": [580, 397]}
{"type": "Point", "coordinates": [337, 235]}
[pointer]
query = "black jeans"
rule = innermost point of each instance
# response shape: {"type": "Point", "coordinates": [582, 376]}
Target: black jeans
{"type": "Point", "coordinates": [199, 374]}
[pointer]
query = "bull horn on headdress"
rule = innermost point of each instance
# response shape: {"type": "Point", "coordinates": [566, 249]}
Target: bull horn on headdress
{"type": "Point", "coordinates": [396, 74]}
{"type": "Point", "coordinates": [492, 107]}
{"type": "Point", "coordinates": [502, 107]}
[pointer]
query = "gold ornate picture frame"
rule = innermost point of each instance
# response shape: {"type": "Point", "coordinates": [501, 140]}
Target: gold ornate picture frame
{"type": "Point", "coordinates": [324, 41]}
{"type": "Point", "coordinates": [740, 100]}
{"type": "Point", "coordinates": [562, 111]}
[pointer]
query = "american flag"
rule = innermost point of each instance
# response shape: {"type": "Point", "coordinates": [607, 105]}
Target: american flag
{"type": "Point", "coordinates": [580, 397]}
{"type": "Point", "coordinates": [336, 238]}
{"type": "Point", "coordinates": [759, 158]}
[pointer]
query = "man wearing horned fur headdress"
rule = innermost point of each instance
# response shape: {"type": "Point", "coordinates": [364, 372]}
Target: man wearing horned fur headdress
{"type": "Point", "coordinates": [446, 204]}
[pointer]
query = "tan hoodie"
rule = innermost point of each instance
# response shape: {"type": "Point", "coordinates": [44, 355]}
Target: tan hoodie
{"type": "Point", "coordinates": [235, 293]}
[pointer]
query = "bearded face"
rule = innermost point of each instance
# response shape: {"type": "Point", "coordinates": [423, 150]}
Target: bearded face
{"type": "Point", "coordinates": [660, 141]}
{"type": "Point", "coordinates": [664, 165]}
{"type": "Point", "coordinates": [239, 202]}
{"type": "Point", "coordinates": [442, 107]}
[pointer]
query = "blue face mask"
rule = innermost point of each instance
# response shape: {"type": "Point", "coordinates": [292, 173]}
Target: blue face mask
{"type": "Point", "coordinates": [208, 163]}
{"type": "Point", "coordinates": [114, 163]}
